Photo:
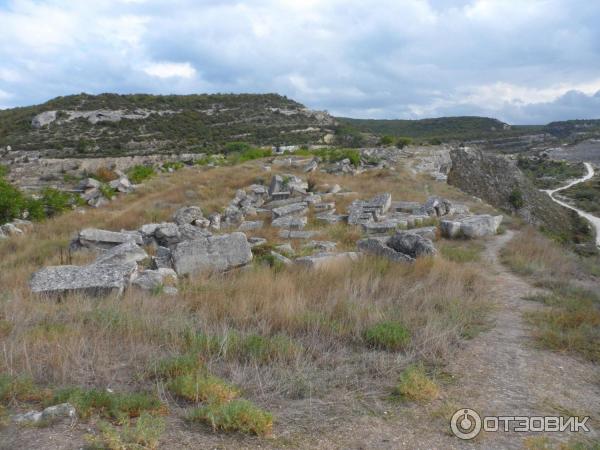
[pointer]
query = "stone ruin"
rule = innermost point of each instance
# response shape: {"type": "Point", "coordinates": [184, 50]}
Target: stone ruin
{"type": "Point", "coordinates": [192, 243]}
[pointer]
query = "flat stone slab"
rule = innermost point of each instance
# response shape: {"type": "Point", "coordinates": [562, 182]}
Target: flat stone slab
{"type": "Point", "coordinates": [378, 246]}
{"type": "Point", "coordinates": [291, 222]}
{"type": "Point", "coordinates": [93, 280]}
{"type": "Point", "coordinates": [471, 226]}
{"type": "Point", "coordinates": [218, 253]}
{"type": "Point", "coordinates": [93, 237]}
{"type": "Point", "coordinates": [321, 260]}
{"type": "Point", "coordinates": [296, 209]}
{"type": "Point", "coordinates": [294, 234]}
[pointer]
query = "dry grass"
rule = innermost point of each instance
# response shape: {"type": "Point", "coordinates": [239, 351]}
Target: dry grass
{"type": "Point", "coordinates": [532, 254]}
{"type": "Point", "coordinates": [263, 330]}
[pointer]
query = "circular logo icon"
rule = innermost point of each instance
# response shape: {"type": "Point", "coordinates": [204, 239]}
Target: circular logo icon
{"type": "Point", "coordinates": [465, 424]}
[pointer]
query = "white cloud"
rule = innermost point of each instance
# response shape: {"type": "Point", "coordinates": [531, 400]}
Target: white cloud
{"type": "Point", "coordinates": [385, 58]}
{"type": "Point", "coordinates": [170, 70]}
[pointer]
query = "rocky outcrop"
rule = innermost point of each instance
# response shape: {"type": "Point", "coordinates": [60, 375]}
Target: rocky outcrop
{"type": "Point", "coordinates": [499, 182]}
{"type": "Point", "coordinates": [219, 253]}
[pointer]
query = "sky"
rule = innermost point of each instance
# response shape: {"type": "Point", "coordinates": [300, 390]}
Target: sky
{"type": "Point", "coordinates": [521, 61]}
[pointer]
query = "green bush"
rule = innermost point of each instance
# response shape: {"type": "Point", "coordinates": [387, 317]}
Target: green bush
{"type": "Point", "coordinates": [391, 336]}
{"type": "Point", "coordinates": [415, 385]}
{"type": "Point", "coordinates": [144, 435]}
{"type": "Point", "coordinates": [386, 140]}
{"type": "Point", "coordinates": [516, 199]}
{"type": "Point", "coordinates": [237, 415]}
{"type": "Point", "coordinates": [12, 202]}
{"type": "Point", "coordinates": [402, 142]}
{"type": "Point", "coordinates": [198, 387]}
{"type": "Point", "coordinates": [139, 173]}
{"type": "Point", "coordinates": [110, 405]}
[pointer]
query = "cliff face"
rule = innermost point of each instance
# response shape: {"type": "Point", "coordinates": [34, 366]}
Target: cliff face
{"type": "Point", "coordinates": [500, 182]}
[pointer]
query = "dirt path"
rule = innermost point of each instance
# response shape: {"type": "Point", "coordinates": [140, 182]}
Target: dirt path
{"type": "Point", "coordinates": [500, 372]}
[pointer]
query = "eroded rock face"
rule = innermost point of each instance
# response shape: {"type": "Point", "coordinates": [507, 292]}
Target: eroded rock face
{"type": "Point", "coordinates": [218, 253]}
{"type": "Point", "coordinates": [495, 179]}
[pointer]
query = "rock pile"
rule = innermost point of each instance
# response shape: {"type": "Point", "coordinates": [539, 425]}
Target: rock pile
{"type": "Point", "coordinates": [96, 194]}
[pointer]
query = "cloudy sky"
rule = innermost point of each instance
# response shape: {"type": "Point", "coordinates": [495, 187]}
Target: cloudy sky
{"type": "Point", "coordinates": [523, 61]}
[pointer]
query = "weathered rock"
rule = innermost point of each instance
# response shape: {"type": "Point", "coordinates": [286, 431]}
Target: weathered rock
{"type": "Point", "coordinates": [189, 232]}
{"type": "Point", "coordinates": [335, 189]}
{"type": "Point", "coordinates": [361, 211]}
{"type": "Point", "coordinates": [293, 234]}
{"type": "Point", "coordinates": [311, 166]}
{"type": "Point", "coordinates": [321, 207]}
{"type": "Point", "coordinates": [285, 248]}
{"type": "Point", "coordinates": [378, 246]}
{"type": "Point", "coordinates": [426, 232]}
{"type": "Point", "coordinates": [256, 241]}
{"type": "Point", "coordinates": [291, 222]}
{"type": "Point", "coordinates": [187, 215]}
{"type": "Point", "coordinates": [92, 280]}
{"type": "Point", "coordinates": [313, 199]}
{"type": "Point", "coordinates": [411, 244]}
{"type": "Point", "coordinates": [435, 206]}
{"type": "Point", "coordinates": [251, 225]}
{"type": "Point", "coordinates": [379, 227]}
{"type": "Point", "coordinates": [151, 280]}
{"type": "Point", "coordinates": [471, 227]}
{"type": "Point", "coordinates": [126, 253]}
{"type": "Point", "coordinates": [122, 184]}
{"type": "Point", "coordinates": [232, 216]}
{"type": "Point", "coordinates": [407, 207]}
{"type": "Point", "coordinates": [295, 209]}
{"type": "Point", "coordinates": [162, 258]}
{"type": "Point", "coordinates": [215, 221]}
{"type": "Point", "coordinates": [282, 259]}
{"type": "Point", "coordinates": [9, 229]}
{"type": "Point", "coordinates": [218, 253]}
{"type": "Point", "coordinates": [283, 202]}
{"type": "Point", "coordinates": [98, 202]}
{"type": "Point", "coordinates": [321, 260]}
{"type": "Point", "coordinates": [89, 183]}
{"type": "Point", "coordinates": [96, 238]}
{"type": "Point", "coordinates": [49, 415]}
{"type": "Point", "coordinates": [324, 246]}
{"type": "Point", "coordinates": [276, 184]}
{"type": "Point", "coordinates": [330, 218]}
{"type": "Point", "coordinates": [167, 234]}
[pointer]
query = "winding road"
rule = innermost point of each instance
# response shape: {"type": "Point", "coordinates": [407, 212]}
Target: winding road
{"type": "Point", "coordinates": [595, 221]}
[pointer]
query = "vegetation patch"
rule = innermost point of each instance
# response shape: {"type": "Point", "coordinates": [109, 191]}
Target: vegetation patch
{"type": "Point", "coordinates": [462, 252]}
{"type": "Point", "coordinates": [416, 386]}
{"type": "Point", "coordinates": [392, 336]}
{"type": "Point", "coordinates": [585, 196]}
{"type": "Point", "coordinates": [20, 389]}
{"type": "Point", "coordinates": [571, 323]}
{"type": "Point", "coordinates": [145, 434]}
{"type": "Point", "coordinates": [139, 173]}
{"type": "Point", "coordinates": [549, 173]}
{"type": "Point", "coordinates": [237, 415]}
{"type": "Point", "coordinates": [109, 405]}
{"type": "Point", "coordinates": [198, 387]}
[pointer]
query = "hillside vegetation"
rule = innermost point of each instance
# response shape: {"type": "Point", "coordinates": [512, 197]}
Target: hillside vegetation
{"type": "Point", "coordinates": [110, 124]}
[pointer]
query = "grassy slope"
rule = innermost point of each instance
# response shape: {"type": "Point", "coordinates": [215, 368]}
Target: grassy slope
{"type": "Point", "coordinates": [309, 326]}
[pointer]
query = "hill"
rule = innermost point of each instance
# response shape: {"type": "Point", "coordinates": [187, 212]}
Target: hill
{"type": "Point", "coordinates": [109, 124]}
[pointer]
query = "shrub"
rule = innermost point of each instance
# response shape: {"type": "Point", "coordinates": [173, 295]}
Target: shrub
{"type": "Point", "coordinates": [415, 385]}
{"type": "Point", "coordinates": [20, 389]}
{"type": "Point", "coordinates": [104, 174]}
{"type": "Point", "coordinates": [144, 435]}
{"type": "Point", "coordinates": [516, 199]}
{"type": "Point", "coordinates": [237, 147]}
{"type": "Point", "coordinates": [137, 174]}
{"type": "Point", "coordinates": [12, 202]}
{"type": "Point", "coordinates": [55, 201]}
{"type": "Point", "coordinates": [402, 142]}
{"type": "Point", "coordinates": [391, 336]}
{"type": "Point", "coordinates": [386, 140]}
{"type": "Point", "coordinates": [107, 404]}
{"type": "Point", "coordinates": [248, 154]}
{"type": "Point", "coordinates": [198, 387]}
{"type": "Point", "coordinates": [237, 415]}
{"type": "Point", "coordinates": [175, 165]}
